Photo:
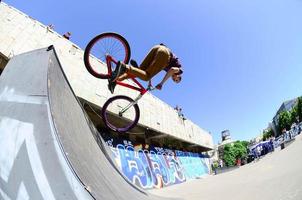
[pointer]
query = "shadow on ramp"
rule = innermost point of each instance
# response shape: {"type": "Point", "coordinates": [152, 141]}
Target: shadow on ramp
{"type": "Point", "coordinates": [49, 147]}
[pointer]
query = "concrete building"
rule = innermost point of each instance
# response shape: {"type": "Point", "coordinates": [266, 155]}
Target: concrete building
{"type": "Point", "coordinates": [285, 106]}
{"type": "Point", "coordinates": [21, 33]}
{"type": "Point", "coordinates": [225, 139]}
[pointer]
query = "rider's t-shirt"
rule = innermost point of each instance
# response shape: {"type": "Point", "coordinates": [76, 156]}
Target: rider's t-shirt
{"type": "Point", "coordinates": [174, 62]}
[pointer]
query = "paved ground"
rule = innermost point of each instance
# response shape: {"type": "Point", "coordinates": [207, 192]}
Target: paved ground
{"type": "Point", "coordinates": [277, 176]}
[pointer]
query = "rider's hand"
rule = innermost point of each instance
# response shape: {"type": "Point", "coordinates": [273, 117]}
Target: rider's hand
{"type": "Point", "coordinates": [159, 86]}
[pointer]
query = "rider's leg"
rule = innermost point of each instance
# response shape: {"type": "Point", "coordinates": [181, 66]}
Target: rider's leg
{"type": "Point", "coordinates": [119, 69]}
{"type": "Point", "coordinates": [141, 70]}
{"type": "Point", "coordinates": [160, 61]}
{"type": "Point", "coordinates": [149, 58]}
{"type": "Point", "coordinates": [123, 77]}
{"type": "Point", "coordinates": [133, 72]}
{"type": "Point", "coordinates": [156, 60]}
{"type": "Point", "coordinates": [137, 72]}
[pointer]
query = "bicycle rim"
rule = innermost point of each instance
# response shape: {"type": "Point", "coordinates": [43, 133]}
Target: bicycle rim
{"type": "Point", "coordinates": [104, 44]}
{"type": "Point", "coordinates": [116, 121]}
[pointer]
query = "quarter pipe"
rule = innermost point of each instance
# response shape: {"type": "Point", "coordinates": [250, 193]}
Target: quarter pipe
{"type": "Point", "coordinates": [49, 149]}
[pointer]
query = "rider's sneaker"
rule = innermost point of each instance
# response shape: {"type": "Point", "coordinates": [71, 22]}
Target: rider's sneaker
{"type": "Point", "coordinates": [111, 86]}
{"type": "Point", "coordinates": [119, 70]}
{"type": "Point", "coordinates": [133, 63]}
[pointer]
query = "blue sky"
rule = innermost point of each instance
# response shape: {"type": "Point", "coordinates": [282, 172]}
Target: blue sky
{"type": "Point", "coordinates": [241, 58]}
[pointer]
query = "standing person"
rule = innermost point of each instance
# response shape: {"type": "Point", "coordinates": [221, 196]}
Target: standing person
{"type": "Point", "coordinates": [67, 35]}
{"type": "Point", "coordinates": [254, 151]}
{"type": "Point", "coordinates": [214, 168]}
{"type": "Point", "coordinates": [50, 27]}
{"type": "Point", "coordinates": [221, 163]}
{"type": "Point", "coordinates": [270, 145]}
{"type": "Point", "coordinates": [159, 58]}
{"type": "Point", "coordinates": [258, 152]}
{"type": "Point", "coordinates": [179, 112]}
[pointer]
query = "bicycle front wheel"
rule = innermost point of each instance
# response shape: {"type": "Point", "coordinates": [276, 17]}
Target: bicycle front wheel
{"type": "Point", "coordinates": [120, 113]}
{"type": "Point", "coordinates": [104, 44]}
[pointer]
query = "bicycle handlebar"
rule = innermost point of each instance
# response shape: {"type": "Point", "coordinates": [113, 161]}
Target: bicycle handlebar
{"type": "Point", "coordinates": [150, 88]}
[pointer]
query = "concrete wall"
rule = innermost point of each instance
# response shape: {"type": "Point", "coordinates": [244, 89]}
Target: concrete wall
{"type": "Point", "coordinates": [155, 167]}
{"type": "Point", "coordinates": [3, 63]}
{"type": "Point", "coordinates": [20, 33]}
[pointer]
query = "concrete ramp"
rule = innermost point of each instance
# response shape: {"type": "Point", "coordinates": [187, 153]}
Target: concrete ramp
{"type": "Point", "coordinates": [48, 147]}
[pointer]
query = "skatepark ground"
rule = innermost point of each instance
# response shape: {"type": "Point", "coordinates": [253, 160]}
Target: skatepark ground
{"type": "Point", "coordinates": [275, 176]}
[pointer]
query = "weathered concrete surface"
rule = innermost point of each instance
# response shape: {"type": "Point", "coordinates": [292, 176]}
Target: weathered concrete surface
{"type": "Point", "coordinates": [20, 33]}
{"type": "Point", "coordinates": [277, 176]}
{"type": "Point", "coordinates": [49, 149]}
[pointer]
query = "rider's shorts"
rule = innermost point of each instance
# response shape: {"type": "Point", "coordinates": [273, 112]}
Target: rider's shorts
{"type": "Point", "coordinates": [156, 60]}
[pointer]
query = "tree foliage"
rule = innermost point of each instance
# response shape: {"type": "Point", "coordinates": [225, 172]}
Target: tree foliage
{"type": "Point", "coordinates": [245, 143]}
{"type": "Point", "coordinates": [299, 108]}
{"type": "Point", "coordinates": [284, 120]}
{"type": "Point", "coordinates": [229, 155]}
{"type": "Point", "coordinates": [267, 134]}
{"type": "Point", "coordinates": [236, 150]}
{"type": "Point", "coordinates": [293, 114]}
{"type": "Point", "coordinates": [240, 150]}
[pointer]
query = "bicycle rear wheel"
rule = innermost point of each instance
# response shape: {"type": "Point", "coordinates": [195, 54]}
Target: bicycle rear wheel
{"type": "Point", "coordinates": [116, 121]}
{"type": "Point", "coordinates": [104, 44]}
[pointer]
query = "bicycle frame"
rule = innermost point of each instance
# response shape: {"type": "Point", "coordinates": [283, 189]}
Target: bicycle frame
{"type": "Point", "coordinates": [140, 87]}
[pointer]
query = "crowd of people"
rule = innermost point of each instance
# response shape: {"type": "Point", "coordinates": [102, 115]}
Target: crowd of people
{"type": "Point", "coordinates": [66, 35]}
{"type": "Point", "coordinates": [262, 149]}
{"type": "Point", "coordinates": [179, 112]}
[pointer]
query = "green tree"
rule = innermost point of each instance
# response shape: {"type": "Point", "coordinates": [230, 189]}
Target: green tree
{"type": "Point", "coordinates": [236, 150]}
{"type": "Point", "coordinates": [229, 155]}
{"type": "Point", "coordinates": [267, 134]}
{"type": "Point", "coordinates": [299, 108]}
{"type": "Point", "coordinates": [240, 150]}
{"type": "Point", "coordinates": [293, 114]}
{"type": "Point", "coordinates": [284, 120]}
{"type": "Point", "coordinates": [245, 144]}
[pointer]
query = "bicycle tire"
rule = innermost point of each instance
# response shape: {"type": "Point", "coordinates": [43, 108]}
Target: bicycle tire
{"type": "Point", "coordinates": [118, 40]}
{"type": "Point", "coordinates": [129, 123]}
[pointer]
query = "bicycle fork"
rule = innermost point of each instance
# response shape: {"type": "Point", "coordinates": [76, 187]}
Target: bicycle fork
{"type": "Point", "coordinates": [121, 112]}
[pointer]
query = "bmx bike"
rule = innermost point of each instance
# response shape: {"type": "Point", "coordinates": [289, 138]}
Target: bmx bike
{"type": "Point", "coordinates": [120, 113]}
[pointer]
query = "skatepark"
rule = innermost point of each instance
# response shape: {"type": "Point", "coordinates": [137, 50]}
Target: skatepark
{"type": "Point", "coordinates": [55, 146]}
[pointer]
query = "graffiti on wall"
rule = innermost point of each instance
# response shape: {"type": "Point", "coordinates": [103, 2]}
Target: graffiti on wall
{"type": "Point", "coordinates": [154, 167]}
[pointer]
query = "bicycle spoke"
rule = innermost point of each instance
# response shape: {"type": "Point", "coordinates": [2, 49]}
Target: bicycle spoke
{"type": "Point", "coordinates": [111, 47]}
{"type": "Point", "coordinates": [102, 45]}
{"type": "Point", "coordinates": [115, 46]}
{"type": "Point", "coordinates": [120, 113]}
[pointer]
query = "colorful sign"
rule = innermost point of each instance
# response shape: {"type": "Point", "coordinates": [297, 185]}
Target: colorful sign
{"type": "Point", "coordinates": [154, 167]}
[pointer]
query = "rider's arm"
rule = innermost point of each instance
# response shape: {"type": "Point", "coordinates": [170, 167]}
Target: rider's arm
{"type": "Point", "coordinates": [171, 71]}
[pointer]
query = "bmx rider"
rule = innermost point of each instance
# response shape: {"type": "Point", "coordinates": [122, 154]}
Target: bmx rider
{"type": "Point", "coordinates": [159, 58]}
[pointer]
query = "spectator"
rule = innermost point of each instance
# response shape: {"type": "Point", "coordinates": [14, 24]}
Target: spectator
{"type": "Point", "coordinates": [271, 143]}
{"type": "Point", "coordinates": [238, 162]}
{"type": "Point", "coordinates": [214, 168]}
{"type": "Point", "coordinates": [67, 35]}
{"type": "Point", "coordinates": [220, 163]}
{"type": "Point", "coordinates": [50, 27]}
{"type": "Point", "coordinates": [179, 112]}
{"type": "Point", "coordinates": [258, 152]}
